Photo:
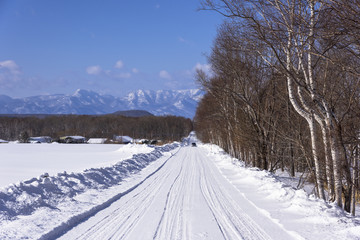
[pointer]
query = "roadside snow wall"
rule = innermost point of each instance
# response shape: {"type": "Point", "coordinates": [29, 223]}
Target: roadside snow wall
{"type": "Point", "coordinates": [48, 191]}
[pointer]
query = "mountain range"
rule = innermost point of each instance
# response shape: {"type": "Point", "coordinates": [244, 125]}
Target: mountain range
{"type": "Point", "coordinates": [160, 102]}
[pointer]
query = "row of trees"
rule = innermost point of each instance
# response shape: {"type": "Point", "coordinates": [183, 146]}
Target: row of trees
{"type": "Point", "coordinates": [284, 92]}
{"type": "Point", "coordinates": [166, 128]}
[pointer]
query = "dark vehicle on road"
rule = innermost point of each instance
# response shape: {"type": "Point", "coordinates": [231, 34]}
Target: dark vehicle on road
{"type": "Point", "coordinates": [193, 144]}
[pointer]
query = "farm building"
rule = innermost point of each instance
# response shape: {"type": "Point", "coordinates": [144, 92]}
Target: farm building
{"type": "Point", "coordinates": [42, 139]}
{"type": "Point", "coordinates": [72, 139]}
{"type": "Point", "coordinates": [123, 139]}
{"type": "Point", "coordinates": [97, 140]}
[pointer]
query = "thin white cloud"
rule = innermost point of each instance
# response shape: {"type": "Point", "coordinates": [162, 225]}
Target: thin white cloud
{"type": "Point", "coordinates": [119, 64]}
{"type": "Point", "coordinates": [185, 41]}
{"type": "Point", "coordinates": [94, 70]}
{"type": "Point", "coordinates": [124, 75]}
{"type": "Point", "coordinates": [135, 70]}
{"type": "Point", "coordinates": [10, 66]}
{"type": "Point", "coordinates": [206, 68]}
{"type": "Point", "coordinates": [13, 81]}
{"type": "Point", "coordinates": [10, 74]}
{"type": "Point", "coordinates": [181, 39]}
{"type": "Point", "coordinates": [164, 74]}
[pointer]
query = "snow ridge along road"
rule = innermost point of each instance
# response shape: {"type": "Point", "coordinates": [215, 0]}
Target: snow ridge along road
{"type": "Point", "coordinates": [186, 198]}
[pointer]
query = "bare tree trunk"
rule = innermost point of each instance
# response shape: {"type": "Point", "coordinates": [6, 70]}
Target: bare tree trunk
{"type": "Point", "coordinates": [264, 162]}
{"type": "Point", "coordinates": [328, 162]}
{"type": "Point", "coordinates": [291, 147]}
{"type": "Point", "coordinates": [254, 158]}
{"type": "Point", "coordinates": [335, 153]}
{"type": "Point", "coordinates": [292, 161]}
{"type": "Point", "coordinates": [346, 166]}
{"type": "Point", "coordinates": [318, 169]}
{"type": "Point", "coordinates": [354, 176]}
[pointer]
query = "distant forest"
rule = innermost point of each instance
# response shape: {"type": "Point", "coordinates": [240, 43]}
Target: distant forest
{"type": "Point", "coordinates": [165, 128]}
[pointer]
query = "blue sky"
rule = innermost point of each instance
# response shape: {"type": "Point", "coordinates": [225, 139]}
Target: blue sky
{"type": "Point", "coordinates": [108, 46]}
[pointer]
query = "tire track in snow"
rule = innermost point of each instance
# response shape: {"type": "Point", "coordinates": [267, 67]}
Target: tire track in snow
{"type": "Point", "coordinates": [232, 221]}
{"type": "Point", "coordinates": [166, 209]}
{"type": "Point", "coordinates": [174, 223]}
{"type": "Point", "coordinates": [126, 216]}
{"type": "Point", "coordinates": [91, 232]}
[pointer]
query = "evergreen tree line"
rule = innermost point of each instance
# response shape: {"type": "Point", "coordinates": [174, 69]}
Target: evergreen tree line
{"type": "Point", "coordinates": [284, 90]}
{"type": "Point", "coordinates": [165, 128]}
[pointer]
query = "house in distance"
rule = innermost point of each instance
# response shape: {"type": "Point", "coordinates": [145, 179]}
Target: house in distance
{"type": "Point", "coordinates": [97, 140]}
{"type": "Point", "coordinates": [72, 139]}
{"type": "Point", "coordinates": [41, 139]}
{"type": "Point", "coordinates": [123, 139]}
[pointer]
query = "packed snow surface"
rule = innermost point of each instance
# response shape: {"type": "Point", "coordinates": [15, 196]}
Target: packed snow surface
{"type": "Point", "coordinates": [173, 192]}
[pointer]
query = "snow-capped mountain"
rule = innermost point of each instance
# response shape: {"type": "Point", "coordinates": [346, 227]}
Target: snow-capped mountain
{"type": "Point", "coordinates": [161, 102]}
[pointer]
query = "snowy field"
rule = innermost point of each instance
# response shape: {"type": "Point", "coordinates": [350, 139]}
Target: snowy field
{"type": "Point", "coordinates": [20, 162]}
{"type": "Point", "coordinates": [171, 192]}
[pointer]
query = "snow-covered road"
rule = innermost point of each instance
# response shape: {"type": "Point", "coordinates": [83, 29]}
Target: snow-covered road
{"type": "Point", "coordinates": [187, 198]}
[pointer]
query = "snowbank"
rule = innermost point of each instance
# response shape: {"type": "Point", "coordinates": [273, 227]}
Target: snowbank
{"type": "Point", "coordinates": [289, 207]}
